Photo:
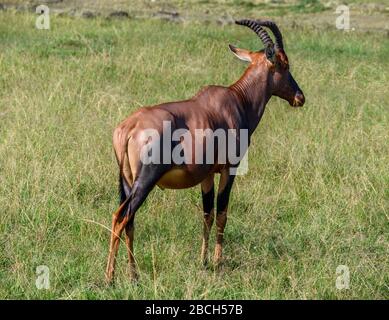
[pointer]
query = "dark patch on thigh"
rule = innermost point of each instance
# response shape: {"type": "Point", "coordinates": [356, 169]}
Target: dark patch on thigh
{"type": "Point", "coordinates": [124, 189]}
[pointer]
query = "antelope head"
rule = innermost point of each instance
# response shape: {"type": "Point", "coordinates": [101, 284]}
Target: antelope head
{"type": "Point", "coordinates": [272, 61]}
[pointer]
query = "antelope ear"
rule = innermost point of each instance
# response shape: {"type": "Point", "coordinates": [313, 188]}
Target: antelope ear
{"type": "Point", "coordinates": [241, 53]}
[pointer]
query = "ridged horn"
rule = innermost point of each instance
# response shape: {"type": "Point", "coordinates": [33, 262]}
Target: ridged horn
{"type": "Point", "coordinates": [262, 34]}
{"type": "Point", "coordinates": [277, 33]}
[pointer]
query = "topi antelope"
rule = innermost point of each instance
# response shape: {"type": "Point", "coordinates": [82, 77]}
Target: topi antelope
{"type": "Point", "coordinates": [239, 106]}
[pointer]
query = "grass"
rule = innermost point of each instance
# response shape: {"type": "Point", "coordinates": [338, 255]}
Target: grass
{"type": "Point", "coordinates": [316, 195]}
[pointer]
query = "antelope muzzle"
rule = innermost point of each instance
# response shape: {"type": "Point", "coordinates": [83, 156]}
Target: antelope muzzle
{"type": "Point", "coordinates": [299, 99]}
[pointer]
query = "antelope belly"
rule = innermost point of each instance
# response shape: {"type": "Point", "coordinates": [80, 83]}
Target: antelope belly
{"type": "Point", "coordinates": [178, 179]}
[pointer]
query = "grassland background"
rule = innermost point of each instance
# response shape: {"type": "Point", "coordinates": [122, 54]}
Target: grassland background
{"type": "Point", "coordinates": [316, 195]}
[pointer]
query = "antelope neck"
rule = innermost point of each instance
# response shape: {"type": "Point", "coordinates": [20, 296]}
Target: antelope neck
{"type": "Point", "coordinates": [254, 91]}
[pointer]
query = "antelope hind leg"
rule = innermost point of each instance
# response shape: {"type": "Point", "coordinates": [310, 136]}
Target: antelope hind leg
{"type": "Point", "coordinates": [119, 221]}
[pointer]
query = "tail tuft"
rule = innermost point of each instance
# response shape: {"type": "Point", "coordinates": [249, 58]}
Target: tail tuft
{"type": "Point", "coordinates": [122, 192]}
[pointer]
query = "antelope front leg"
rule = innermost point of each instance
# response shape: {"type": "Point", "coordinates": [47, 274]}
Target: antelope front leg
{"type": "Point", "coordinates": [225, 185]}
{"type": "Point", "coordinates": [118, 223]}
{"type": "Point", "coordinates": [208, 222]}
{"type": "Point", "coordinates": [208, 196]}
{"type": "Point", "coordinates": [221, 220]}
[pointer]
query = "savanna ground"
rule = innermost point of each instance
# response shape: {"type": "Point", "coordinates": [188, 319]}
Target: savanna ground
{"type": "Point", "coordinates": [316, 195]}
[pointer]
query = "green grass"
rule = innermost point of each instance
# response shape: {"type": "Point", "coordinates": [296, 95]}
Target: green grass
{"type": "Point", "coordinates": [316, 195]}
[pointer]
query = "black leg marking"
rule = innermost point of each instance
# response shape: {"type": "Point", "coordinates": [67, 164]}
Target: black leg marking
{"type": "Point", "coordinates": [224, 195]}
{"type": "Point", "coordinates": [208, 200]}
